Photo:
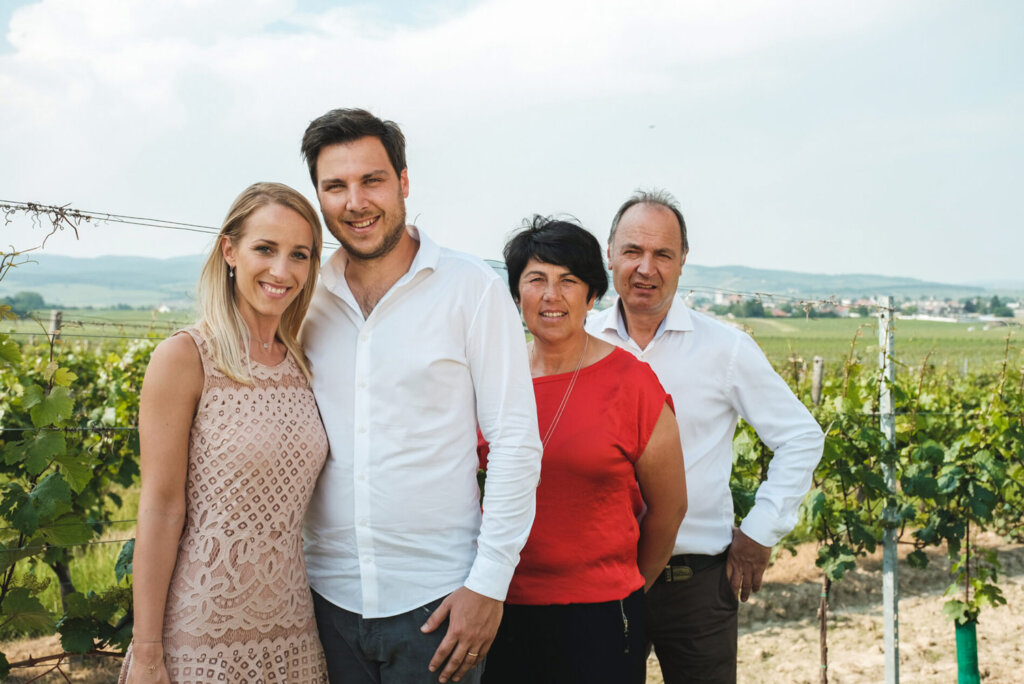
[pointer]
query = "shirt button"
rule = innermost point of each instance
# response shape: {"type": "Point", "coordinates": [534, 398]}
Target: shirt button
{"type": "Point", "coordinates": [362, 384]}
{"type": "Point", "coordinates": [362, 521]}
{"type": "Point", "coordinates": [362, 477]}
{"type": "Point", "coordinates": [362, 428]}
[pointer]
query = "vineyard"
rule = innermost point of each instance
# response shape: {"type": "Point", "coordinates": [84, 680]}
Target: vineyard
{"type": "Point", "coordinates": [68, 488]}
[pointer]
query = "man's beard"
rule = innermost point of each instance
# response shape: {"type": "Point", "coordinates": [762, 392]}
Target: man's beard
{"type": "Point", "coordinates": [390, 241]}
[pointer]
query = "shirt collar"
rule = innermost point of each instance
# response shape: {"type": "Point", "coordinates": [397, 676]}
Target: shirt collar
{"type": "Point", "coordinates": [332, 274]}
{"type": "Point", "coordinates": [678, 318]}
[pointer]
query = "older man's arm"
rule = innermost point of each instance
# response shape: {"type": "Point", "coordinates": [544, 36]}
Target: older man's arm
{"type": "Point", "coordinates": [785, 425]}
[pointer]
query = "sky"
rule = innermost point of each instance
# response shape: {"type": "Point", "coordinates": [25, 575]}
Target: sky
{"type": "Point", "coordinates": [869, 137]}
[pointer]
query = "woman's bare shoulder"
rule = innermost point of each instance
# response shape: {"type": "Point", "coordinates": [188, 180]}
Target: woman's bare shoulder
{"type": "Point", "coordinates": [177, 350]}
{"type": "Point", "coordinates": [176, 363]}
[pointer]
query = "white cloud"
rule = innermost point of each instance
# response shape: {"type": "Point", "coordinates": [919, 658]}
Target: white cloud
{"type": "Point", "coordinates": [168, 108]}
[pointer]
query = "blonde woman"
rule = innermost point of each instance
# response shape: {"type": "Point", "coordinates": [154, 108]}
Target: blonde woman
{"type": "Point", "coordinates": [231, 445]}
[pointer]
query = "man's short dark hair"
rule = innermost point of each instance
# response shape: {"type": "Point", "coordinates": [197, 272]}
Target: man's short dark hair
{"type": "Point", "coordinates": [558, 242]}
{"type": "Point", "coordinates": [661, 198]}
{"type": "Point", "coordinates": [348, 125]}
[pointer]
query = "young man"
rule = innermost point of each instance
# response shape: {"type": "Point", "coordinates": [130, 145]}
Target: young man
{"type": "Point", "coordinates": [412, 346]}
{"type": "Point", "coordinates": [715, 374]}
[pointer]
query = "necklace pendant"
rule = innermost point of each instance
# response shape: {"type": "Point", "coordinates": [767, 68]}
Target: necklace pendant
{"type": "Point", "coordinates": [266, 345]}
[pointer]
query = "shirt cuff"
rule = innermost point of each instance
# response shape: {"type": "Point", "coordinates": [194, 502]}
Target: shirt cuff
{"type": "Point", "coordinates": [490, 578]}
{"type": "Point", "coordinates": [761, 530]}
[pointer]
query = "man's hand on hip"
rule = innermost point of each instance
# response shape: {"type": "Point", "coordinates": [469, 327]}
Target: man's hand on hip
{"type": "Point", "coordinates": [473, 621]}
{"type": "Point", "coordinates": [746, 564]}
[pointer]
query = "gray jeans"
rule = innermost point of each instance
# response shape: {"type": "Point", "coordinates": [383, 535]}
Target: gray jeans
{"type": "Point", "coordinates": [389, 650]}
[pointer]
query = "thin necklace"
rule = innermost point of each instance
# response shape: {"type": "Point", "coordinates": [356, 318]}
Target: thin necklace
{"type": "Point", "coordinates": [266, 345]}
{"type": "Point", "coordinates": [565, 397]}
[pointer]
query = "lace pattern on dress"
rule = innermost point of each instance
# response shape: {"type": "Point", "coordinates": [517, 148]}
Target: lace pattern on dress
{"type": "Point", "coordinates": [239, 607]}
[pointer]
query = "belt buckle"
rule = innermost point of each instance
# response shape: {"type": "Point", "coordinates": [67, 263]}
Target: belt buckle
{"type": "Point", "coordinates": [678, 573]}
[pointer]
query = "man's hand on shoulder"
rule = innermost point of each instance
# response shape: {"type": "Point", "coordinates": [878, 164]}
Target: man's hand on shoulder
{"type": "Point", "coordinates": [746, 564]}
{"type": "Point", "coordinates": [473, 621]}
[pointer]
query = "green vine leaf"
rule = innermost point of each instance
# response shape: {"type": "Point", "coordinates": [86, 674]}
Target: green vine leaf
{"type": "Point", "coordinates": [32, 395]}
{"type": "Point", "coordinates": [50, 369]}
{"type": "Point", "coordinates": [123, 566]}
{"type": "Point", "coordinates": [11, 553]}
{"type": "Point", "coordinates": [24, 612]}
{"type": "Point", "coordinates": [77, 468]}
{"type": "Point", "coordinates": [75, 605]}
{"type": "Point", "coordinates": [40, 450]}
{"type": "Point", "coordinates": [917, 559]}
{"type": "Point", "coordinates": [50, 498]}
{"type": "Point", "coordinates": [66, 530]}
{"type": "Point", "coordinates": [957, 611]}
{"type": "Point", "coordinates": [63, 377]}
{"type": "Point", "coordinates": [76, 634]}
{"type": "Point", "coordinates": [10, 352]}
{"type": "Point", "coordinates": [949, 479]}
{"type": "Point", "coordinates": [15, 507]}
{"type": "Point", "coordinates": [52, 408]}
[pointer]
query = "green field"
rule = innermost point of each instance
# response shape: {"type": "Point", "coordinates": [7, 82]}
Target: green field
{"type": "Point", "coordinates": [943, 344]}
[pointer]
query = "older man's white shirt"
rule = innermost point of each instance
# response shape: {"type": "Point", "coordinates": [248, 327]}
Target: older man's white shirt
{"type": "Point", "coordinates": [395, 521]}
{"type": "Point", "coordinates": [716, 374]}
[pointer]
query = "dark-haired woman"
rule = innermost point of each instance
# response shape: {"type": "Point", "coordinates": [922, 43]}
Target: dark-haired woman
{"type": "Point", "coordinates": [612, 490]}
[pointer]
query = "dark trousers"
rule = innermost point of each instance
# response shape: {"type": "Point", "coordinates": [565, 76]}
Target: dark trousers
{"type": "Point", "coordinates": [692, 623]}
{"type": "Point", "coordinates": [578, 643]}
{"type": "Point", "coordinates": [389, 650]}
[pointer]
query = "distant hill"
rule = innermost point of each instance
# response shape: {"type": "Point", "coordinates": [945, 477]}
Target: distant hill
{"type": "Point", "coordinates": [107, 281]}
{"type": "Point", "coordinates": [743, 279]}
{"type": "Point", "coordinates": [141, 281]}
{"type": "Point", "coordinates": [817, 285]}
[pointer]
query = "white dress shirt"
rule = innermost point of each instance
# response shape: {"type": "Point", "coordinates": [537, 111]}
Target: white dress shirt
{"type": "Point", "coordinates": [395, 521]}
{"type": "Point", "coordinates": [717, 374]}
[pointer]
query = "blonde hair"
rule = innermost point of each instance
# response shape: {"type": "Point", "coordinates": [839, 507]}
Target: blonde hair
{"type": "Point", "coordinates": [218, 317]}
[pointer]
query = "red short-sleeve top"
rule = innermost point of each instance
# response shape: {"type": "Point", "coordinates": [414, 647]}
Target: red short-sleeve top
{"type": "Point", "coordinates": [582, 548]}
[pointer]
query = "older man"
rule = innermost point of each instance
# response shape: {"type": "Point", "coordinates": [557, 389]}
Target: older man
{"type": "Point", "coordinates": [412, 346]}
{"type": "Point", "coordinates": [716, 375]}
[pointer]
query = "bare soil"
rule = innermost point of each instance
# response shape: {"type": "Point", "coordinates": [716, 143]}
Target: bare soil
{"type": "Point", "coordinates": [779, 632]}
{"type": "Point", "coordinates": [779, 629]}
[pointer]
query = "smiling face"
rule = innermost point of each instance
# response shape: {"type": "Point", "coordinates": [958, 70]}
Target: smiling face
{"type": "Point", "coordinates": [647, 259]}
{"type": "Point", "coordinates": [362, 198]}
{"type": "Point", "coordinates": [554, 301]}
{"type": "Point", "coordinates": [271, 260]}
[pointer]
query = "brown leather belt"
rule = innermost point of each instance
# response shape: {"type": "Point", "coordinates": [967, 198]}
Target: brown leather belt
{"type": "Point", "coordinates": [682, 567]}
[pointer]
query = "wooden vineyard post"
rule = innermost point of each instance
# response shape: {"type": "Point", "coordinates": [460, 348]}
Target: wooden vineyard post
{"type": "Point", "coordinates": [55, 322]}
{"type": "Point", "coordinates": [887, 424]}
{"type": "Point", "coordinates": [826, 585]}
{"type": "Point", "coordinates": [817, 375]}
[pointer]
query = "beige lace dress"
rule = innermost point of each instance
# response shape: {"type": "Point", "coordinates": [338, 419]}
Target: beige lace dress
{"type": "Point", "coordinates": [239, 607]}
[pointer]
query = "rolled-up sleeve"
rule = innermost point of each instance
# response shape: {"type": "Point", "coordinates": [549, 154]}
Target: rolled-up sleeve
{"type": "Point", "coordinates": [784, 424]}
{"type": "Point", "coordinates": [507, 416]}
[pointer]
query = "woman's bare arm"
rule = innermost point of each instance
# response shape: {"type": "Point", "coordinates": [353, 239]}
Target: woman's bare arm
{"type": "Point", "coordinates": [659, 471]}
{"type": "Point", "coordinates": [170, 393]}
